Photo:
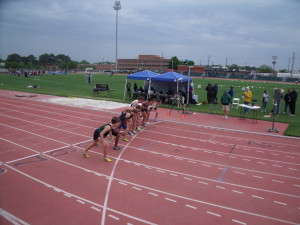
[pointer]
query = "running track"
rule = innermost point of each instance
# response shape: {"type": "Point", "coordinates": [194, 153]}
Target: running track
{"type": "Point", "coordinates": [170, 173]}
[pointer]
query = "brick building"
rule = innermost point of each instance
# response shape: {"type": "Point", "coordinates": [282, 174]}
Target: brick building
{"type": "Point", "coordinates": [145, 62]}
{"type": "Point", "coordinates": [194, 71]}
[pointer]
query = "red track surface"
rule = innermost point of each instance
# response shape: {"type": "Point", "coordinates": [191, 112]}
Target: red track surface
{"type": "Point", "coordinates": [172, 172]}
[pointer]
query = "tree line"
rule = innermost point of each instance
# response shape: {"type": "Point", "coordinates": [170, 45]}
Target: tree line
{"type": "Point", "coordinates": [64, 62]}
{"type": "Point", "coordinates": [43, 62]}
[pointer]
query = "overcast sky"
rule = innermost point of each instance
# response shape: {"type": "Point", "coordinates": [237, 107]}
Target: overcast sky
{"type": "Point", "coordinates": [246, 32]}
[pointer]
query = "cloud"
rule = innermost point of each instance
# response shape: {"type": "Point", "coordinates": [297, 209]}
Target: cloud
{"type": "Point", "coordinates": [246, 30]}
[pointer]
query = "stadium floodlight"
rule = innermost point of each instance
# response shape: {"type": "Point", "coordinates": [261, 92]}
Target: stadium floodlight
{"type": "Point", "coordinates": [117, 7]}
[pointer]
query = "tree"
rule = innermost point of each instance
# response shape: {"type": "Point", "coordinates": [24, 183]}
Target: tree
{"type": "Point", "coordinates": [173, 63]}
{"type": "Point", "coordinates": [44, 59]}
{"type": "Point", "coordinates": [14, 58]}
{"type": "Point", "coordinates": [84, 62]}
{"type": "Point", "coordinates": [62, 58]}
{"type": "Point", "coordinates": [72, 65]}
{"type": "Point", "coordinates": [265, 69]}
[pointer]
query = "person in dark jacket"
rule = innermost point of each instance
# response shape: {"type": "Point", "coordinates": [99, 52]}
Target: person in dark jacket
{"type": "Point", "coordinates": [293, 99]}
{"type": "Point", "coordinates": [230, 92]}
{"type": "Point", "coordinates": [287, 101]}
{"type": "Point", "coordinates": [216, 89]}
{"type": "Point", "coordinates": [277, 99]}
{"type": "Point", "coordinates": [210, 93]}
{"type": "Point", "coordinates": [226, 100]}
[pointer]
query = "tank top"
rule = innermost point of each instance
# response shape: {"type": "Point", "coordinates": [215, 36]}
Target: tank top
{"type": "Point", "coordinates": [100, 129]}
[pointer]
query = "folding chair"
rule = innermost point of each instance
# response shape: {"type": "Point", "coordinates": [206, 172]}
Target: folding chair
{"type": "Point", "coordinates": [214, 107]}
{"type": "Point", "coordinates": [235, 103]}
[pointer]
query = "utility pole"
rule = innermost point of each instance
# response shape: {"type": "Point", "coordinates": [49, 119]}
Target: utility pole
{"type": "Point", "coordinates": [293, 64]}
{"type": "Point", "coordinates": [274, 62]}
{"type": "Point", "coordinates": [117, 7]}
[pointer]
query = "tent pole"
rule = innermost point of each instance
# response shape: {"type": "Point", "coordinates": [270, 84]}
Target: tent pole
{"type": "Point", "coordinates": [125, 90]}
{"type": "Point", "coordinates": [149, 88]}
{"type": "Point", "coordinates": [188, 87]}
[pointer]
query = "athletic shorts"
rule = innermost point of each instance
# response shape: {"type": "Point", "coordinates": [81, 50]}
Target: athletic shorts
{"type": "Point", "coordinates": [123, 125]}
{"type": "Point", "coordinates": [225, 108]}
{"type": "Point", "coordinates": [144, 110]}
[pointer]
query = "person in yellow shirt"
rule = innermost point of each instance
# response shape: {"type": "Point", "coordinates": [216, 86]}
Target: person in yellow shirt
{"type": "Point", "coordinates": [247, 96]}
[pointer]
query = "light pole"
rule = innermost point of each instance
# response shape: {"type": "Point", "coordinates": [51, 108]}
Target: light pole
{"type": "Point", "coordinates": [117, 7]}
{"type": "Point", "coordinates": [274, 62]}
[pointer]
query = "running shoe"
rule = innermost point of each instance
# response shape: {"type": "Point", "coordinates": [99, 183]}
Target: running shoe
{"type": "Point", "coordinates": [107, 159]}
{"type": "Point", "coordinates": [139, 129]}
{"type": "Point", "coordinates": [125, 139]}
{"type": "Point", "coordinates": [134, 132]}
{"type": "Point", "coordinates": [85, 155]}
{"type": "Point", "coordinates": [116, 148]}
{"type": "Point", "coordinates": [130, 133]}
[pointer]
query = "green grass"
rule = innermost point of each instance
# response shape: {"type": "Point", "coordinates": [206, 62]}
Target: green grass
{"type": "Point", "coordinates": [74, 85]}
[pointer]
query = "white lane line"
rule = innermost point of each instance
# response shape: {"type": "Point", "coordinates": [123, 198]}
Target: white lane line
{"type": "Point", "coordinates": [291, 157]}
{"type": "Point", "coordinates": [81, 202]}
{"type": "Point", "coordinates": [192, 162]}
{"type": "Point", "coordinates": [206, 165]}
{"type": "Point", "coordinates": [12, 218]}
{"type": "Point", "coordinates": [171, 200]}
{"type": "Point", "coordinates": [187, 178]}
{"type": "Point", "coordinates": [255, 196]}
{"type": "Point", "coordinates": [239, 172]}
{"type": "Point", "coordinates": [238, 192]}
{"type": "Point", "coordinates": [150, 193]}
{"type": "Point", "coordinates": [277, 166]}
{"type": "Point", "coordinates": [296, 185]}
{"type": "Point", "coordinates": [137, 188]}
{"type": "Point", "coordinates": [278, 181]}
{"type": "Point", "coordinates": [261, 163]}
{"type": "Point", "coordinates": [293, 169]}
{"type": "Point", "coordinates": [220, 187]}
{"type": "Point", "coordinates": [114, 217]}
{"type": "Point", "coordinates": [123, 184]}
{"type": "Point", "coordinates": [190, 206]}
{"type": "Point", "coordinates": [96, 209]}
{"type": "Point", "coordinates": [69, 196]}
{"type": "Point", "coordinates": [239, 222]}
{"type": "Point", "coordinates": [247, 160]}
{"type": "Point", "coordinates": [202, 182]}
{"type": "Point", "coordinates": [257, 177]}
{"type": "Point", "coordinates": [175, 175]}
{"type": "Point", "coordinates": [214, 214]}
{"type": "Point", "coordinates": [280, 203]}
{"type": "Point", "coordinates": [160, 171]}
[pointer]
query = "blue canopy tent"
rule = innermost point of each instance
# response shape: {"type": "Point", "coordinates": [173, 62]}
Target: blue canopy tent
{"type": "Point", "coordinates": [171, 80]}
{"type": "Point", "coordinates": [145, 75]}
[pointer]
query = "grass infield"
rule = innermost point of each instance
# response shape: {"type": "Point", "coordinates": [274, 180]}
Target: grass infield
{"type": "Point", "coordinates": [74, 85]}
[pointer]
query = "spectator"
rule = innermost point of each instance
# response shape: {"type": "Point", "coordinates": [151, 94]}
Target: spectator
{"type": "Point", "coordinates": [141, 90]}
{"type": "Point", "coordinates": [230, 92]}
{"type": "Point", "coordinates": [210, 93]}
{"type": "Point", "coordinates": [215, 95]}
{"type": "Point", "coordinates": [265, 101]}
{"type": "Point", "coordinates": [293, 99]}
{"type": "Point", "coordinates": [226, 100]}
{"type": "Point", "coordinates": [135, 87]}
{"type": "Point", "coordinates": [247, 96]}
{"type": "Point", "coordinates": [277, 99]}
{"type": "Point", "coordinates": [287, 98]}
{"type": "Point", "coordinates": [128, 86]}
